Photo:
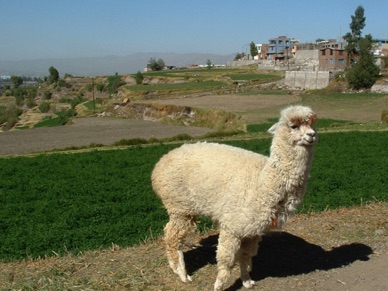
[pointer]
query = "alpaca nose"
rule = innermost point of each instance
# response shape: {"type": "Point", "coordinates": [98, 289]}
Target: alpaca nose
{"type": "Point", "coordinates": [311, 133]}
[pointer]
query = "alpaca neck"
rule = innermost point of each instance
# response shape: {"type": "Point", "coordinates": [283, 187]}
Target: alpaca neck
{"type": "Point", "coordinates": [286, 171]}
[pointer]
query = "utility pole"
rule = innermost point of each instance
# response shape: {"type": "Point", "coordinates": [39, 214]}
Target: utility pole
{"type": "Point", "coordinates": [94, 101]}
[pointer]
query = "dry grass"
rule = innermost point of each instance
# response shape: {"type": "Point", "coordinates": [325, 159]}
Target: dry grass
{"type": "Point", "coordinates": [323, 241]}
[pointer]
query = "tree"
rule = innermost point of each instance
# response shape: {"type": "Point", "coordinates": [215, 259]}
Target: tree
{"type": "Point", "coordinates": [364, 72]}
{"type": "Point", "coordinates": [253, 49]}
{"type": "Point", "coordinates": [239, 56]}
{"type": "Point", "coordinates": [156, 65]}
{"type": "Point", "coordinates": [54, 75]}
{"type": "Point", "coordinates": [16, 81]}
{"type": "Point", "coordinates": [352, 38]}
{"type": "Point", "coordinates": [208, 64]}
{"type": "Point", "coordinates": [161, 64]}
{"type": "Point", "coordinates": [362, 69]}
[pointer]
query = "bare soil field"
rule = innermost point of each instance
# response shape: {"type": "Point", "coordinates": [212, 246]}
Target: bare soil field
{"type": "Point", "coordinates": [258, 108]}
{"type": "Point", "coordinates": [87, 131]}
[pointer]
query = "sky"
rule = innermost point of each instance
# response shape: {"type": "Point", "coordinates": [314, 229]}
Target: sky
{"type": "Point", "coordinates": [44, 29]}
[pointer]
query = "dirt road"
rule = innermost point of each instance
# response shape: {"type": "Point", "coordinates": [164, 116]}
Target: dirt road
{"type": "Point", "coordinates": [86, 131]}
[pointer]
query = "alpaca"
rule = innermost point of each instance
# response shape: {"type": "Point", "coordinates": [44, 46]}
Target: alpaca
{"type": "Point", "coordinates": [244, 192]}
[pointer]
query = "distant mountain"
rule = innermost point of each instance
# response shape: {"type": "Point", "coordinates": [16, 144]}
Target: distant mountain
{"type": "Point", "coordinates": [106, 65]}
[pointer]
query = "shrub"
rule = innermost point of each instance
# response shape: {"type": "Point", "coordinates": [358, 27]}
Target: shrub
{"type": "Point", "coordinates": [65, 115]}
{"type": "Point", "coordinates": [9, 116]}
{"type": "Point", "coordinates": [362, 77]}
{"type": "Point", "coordinates": [77, 100]}
{"type": "Point", "coordinates": [114, 82]}
{"type": "Point", "coordinates": [44, 107]}
{"type": "Point", "coordinates": [64, 100]}
{"type": "Point", "coordinates": [30, 102]}
{"type": "Point", "coordinates": [139, 78]}
{"type": "Point", "coordinates": [100, 87]}
{"type": "Point", "coordinates": [47, 95]}
{"type": "Point", "coordinates": [180, 137]}
{"type": "Point", "coordinates": [133, 141]}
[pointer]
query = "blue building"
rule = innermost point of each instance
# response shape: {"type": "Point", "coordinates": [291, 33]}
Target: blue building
{"type": "Point", "coordinates": [279, 47]}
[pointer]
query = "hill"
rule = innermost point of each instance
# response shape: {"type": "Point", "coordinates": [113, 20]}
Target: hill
{"type": "Point", "coordinates": [105, 65]}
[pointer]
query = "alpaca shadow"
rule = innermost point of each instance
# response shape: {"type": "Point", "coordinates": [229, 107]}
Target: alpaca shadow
{"type": "Point", "coordinates": [282, 254]}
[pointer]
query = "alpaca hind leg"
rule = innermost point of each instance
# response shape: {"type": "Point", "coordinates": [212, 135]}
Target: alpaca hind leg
{"type": "Point", "coordinates": [249, 247]}
{"type": "Point", "coordinates": [174, 232]}
{"type": "Point", "coordinates": [228, 246]}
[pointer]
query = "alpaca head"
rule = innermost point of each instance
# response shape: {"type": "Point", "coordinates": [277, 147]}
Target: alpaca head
{"type": "Point", "coordinates": [296, 126]}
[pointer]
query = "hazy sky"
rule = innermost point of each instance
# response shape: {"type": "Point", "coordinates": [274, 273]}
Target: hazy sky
{"type": "Point", "coordinates": [34, 29]}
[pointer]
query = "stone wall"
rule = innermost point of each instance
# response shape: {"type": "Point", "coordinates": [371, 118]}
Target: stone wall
{"type": "Point", "coordinates": [241, 63]}
{"type": "Point", "coordinates": [307, 79]}
{"type": "Point", "coordinates": [381, 87]}
{"type": "Point", "coordinates": [307, 60]}
{"type": "Point", "coordinates": [307, 54]}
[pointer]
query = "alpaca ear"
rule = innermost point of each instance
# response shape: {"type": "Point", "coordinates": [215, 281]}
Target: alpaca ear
{"type": "Point", "coordinates": [273, 128]}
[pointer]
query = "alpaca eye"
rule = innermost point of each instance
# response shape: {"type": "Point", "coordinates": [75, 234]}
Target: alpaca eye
{"type": "Point", "coordinates": [294, 126]}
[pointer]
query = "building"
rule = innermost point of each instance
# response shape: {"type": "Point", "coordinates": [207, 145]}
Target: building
{"type": "Point", "coordinates": [381, 47]}
{"type": "Point", "coordinates": [279, 48]}
{"type": "Point", "coordinates": [262, 50]}
{"type": "Point", "coordinates": [332, 59]}
{"type": "Point", "coordinates": [382, 43]}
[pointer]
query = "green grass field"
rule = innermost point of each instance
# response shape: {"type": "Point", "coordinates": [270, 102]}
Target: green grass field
{"type": "Point", "coordinates": [197, 81]}
{"type": "Point", "coordinates": [75, 202]}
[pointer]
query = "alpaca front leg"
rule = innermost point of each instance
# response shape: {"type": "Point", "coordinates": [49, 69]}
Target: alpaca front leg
{"type": "Point", "coordinates": [177, 264]}
{"type": "Point", "coordinates": [228, 246]}
{"type": "Point", "coordinates": [174, 232]}
{"type": "Point", "coordinates": [249, 247]}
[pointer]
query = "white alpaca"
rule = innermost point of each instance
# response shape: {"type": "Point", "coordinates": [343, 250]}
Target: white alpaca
{"type": "Point", "coordinates": [244, 192]}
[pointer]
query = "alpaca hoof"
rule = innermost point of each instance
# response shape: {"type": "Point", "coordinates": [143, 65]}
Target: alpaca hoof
{"type": "Point", "coordinates": [249, 284]}
{"type": "Point", "coordinates": [218, 285]}
{"type": "Point", "coordinates": [187, 279]}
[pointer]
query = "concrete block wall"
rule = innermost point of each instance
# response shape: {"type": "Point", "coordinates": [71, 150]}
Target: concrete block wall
{"type": "Point", "coordinates": [307, 79]}
{"type": "Point", "coordinates": [307, 54]}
